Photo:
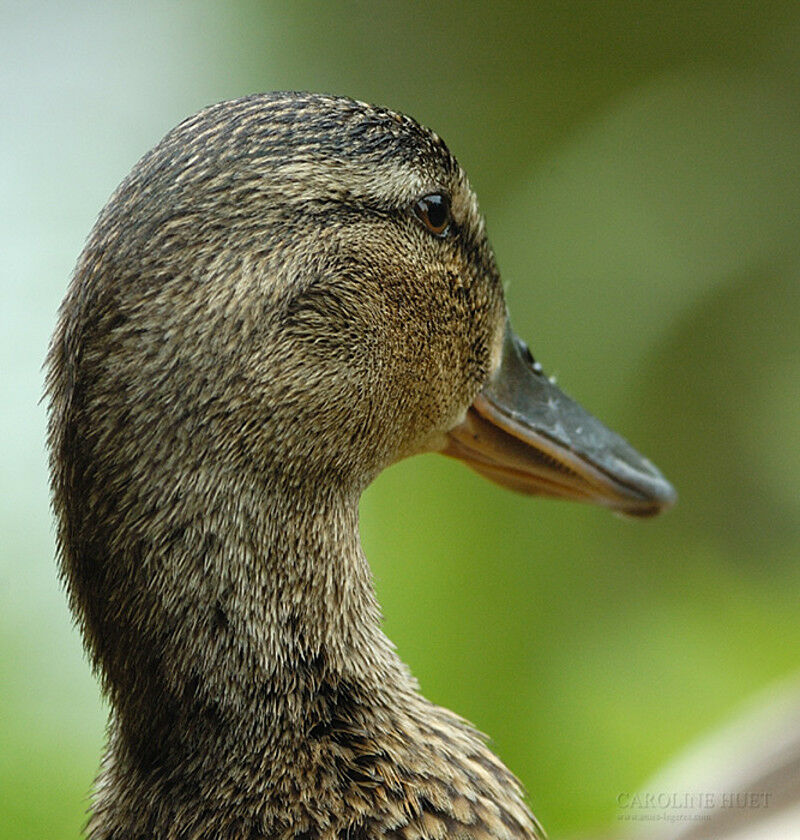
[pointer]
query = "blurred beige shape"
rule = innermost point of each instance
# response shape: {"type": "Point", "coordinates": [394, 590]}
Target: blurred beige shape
{"type": "Point", "coordinates": [744, 777]}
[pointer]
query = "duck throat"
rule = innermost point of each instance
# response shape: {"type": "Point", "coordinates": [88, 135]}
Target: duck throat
{"type": "Point", "coordinates": [233, 628]}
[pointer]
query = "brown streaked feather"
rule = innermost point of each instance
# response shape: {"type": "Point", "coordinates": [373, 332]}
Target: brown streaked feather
{"type": "Point", "coordinates": [256, 327]}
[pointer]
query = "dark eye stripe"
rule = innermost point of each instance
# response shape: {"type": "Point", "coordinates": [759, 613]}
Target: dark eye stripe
{"type": "Point", "coordinates": [434, 212]}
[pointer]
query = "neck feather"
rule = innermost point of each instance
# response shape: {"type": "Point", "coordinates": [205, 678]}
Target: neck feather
{"type": "Point", "coordinates": [230, 625]}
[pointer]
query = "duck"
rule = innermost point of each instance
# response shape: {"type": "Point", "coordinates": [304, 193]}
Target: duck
{"type": "Point", "coordinates": [289, 293]}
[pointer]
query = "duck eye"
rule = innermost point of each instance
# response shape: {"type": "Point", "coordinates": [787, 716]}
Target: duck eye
{"type": "Point", "coordinates": [434, 212]}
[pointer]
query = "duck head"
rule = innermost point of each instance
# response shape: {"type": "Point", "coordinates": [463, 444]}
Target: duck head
{"type": "Point", "coordinates": [300, 287]}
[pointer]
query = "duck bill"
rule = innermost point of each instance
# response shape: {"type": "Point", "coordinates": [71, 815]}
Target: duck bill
{"type": "Point", "coordinates": [526, 434]}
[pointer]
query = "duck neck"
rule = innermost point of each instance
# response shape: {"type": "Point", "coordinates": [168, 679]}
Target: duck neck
{"type": "Point", "coordinates": [256, 613]}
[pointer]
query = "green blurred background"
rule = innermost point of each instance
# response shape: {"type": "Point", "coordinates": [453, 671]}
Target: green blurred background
{"type": "Point", "coordinates": [639, 168]}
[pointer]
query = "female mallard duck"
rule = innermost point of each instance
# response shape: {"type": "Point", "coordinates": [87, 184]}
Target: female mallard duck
{"type": "Point", "coordinates": [288, 294]}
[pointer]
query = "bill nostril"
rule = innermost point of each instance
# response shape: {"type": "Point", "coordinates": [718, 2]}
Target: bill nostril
{"type": "Point", "coordinates": [527, 356]}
